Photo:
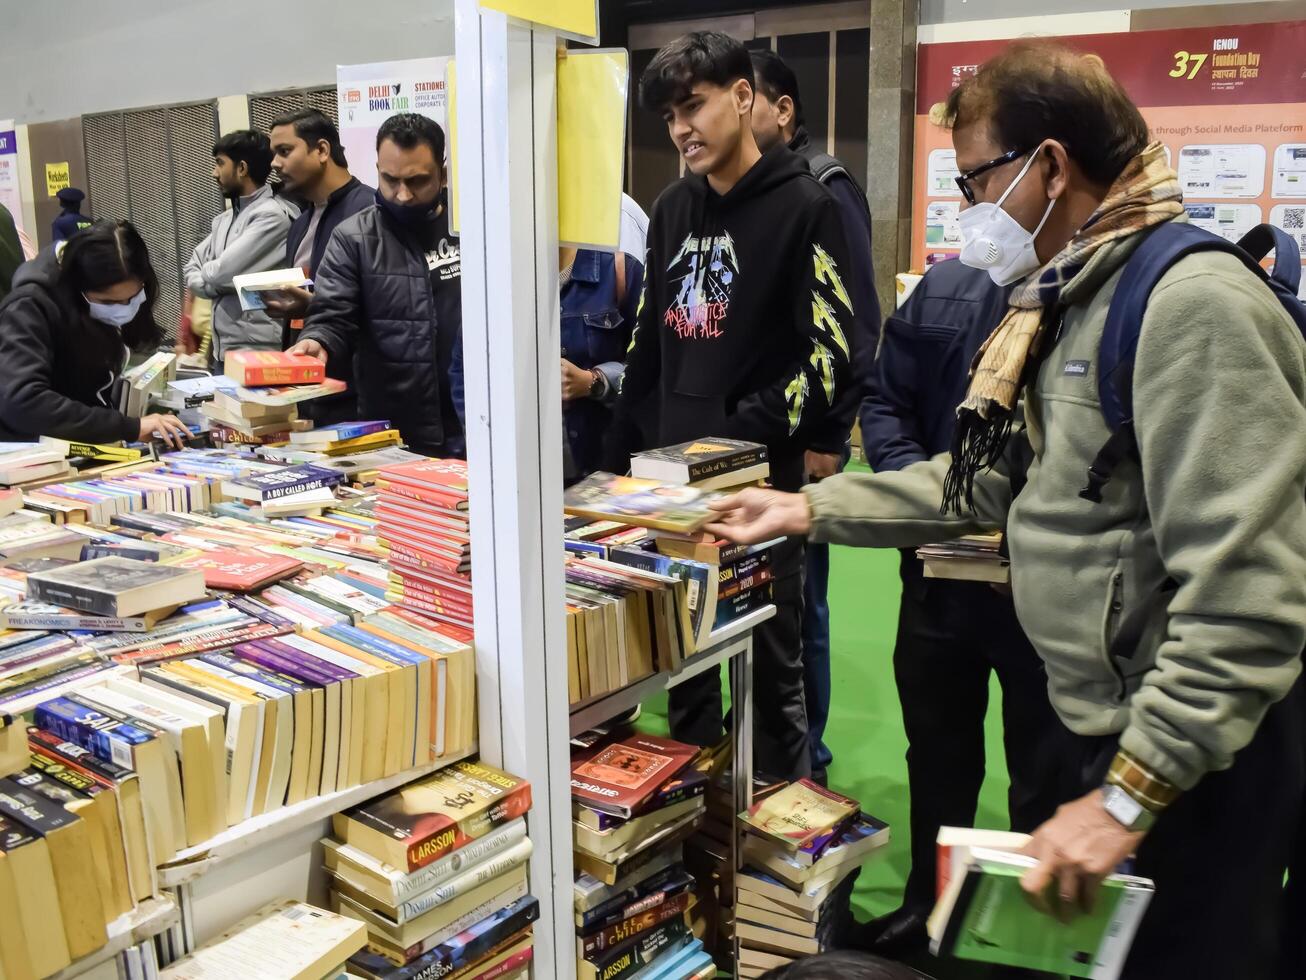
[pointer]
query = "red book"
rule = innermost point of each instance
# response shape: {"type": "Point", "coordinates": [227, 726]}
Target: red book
{"type": "Point", "coordinates": [452, 580]}
{"type": "Point", "coordinates": [443, 475]}
{"type": "Point", "coordinates": [262, 368]}
{"type": "Point", "coordinates": [623, 775]}
{"type": "Point", "coordinates": [441, 500]}
{"type": "Point", "coordinates": [237, 570]}
{"type": "Point", "coordinates": [432, 610]}
{"type": "Point", "coordinates": [216, 639]}
{"type": "Point", "coordinates": [427, 560]}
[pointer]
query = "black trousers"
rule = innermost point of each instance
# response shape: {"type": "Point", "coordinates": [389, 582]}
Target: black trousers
{"type": "Point", "coordinates": [951, 637]}
{"type": "Point", "coordinates": [780, 743]}
{"type": "Point", "coordinates": [1218, 856]}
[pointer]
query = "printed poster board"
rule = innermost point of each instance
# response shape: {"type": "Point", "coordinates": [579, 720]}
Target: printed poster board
{"type": "Point", "coordinates": [368, 95]}
{"type": "Point", "coordinates": [10, 196]}
{"type": "Point", "coordinates": [1229, 103]}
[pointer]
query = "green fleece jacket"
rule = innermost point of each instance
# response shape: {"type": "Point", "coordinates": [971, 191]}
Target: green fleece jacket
{"type": "Point", "coordinates": [1174, 612]}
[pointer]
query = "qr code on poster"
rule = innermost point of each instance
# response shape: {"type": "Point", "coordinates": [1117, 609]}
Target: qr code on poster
{"type": "Point", "coordinates": [1294, 218]}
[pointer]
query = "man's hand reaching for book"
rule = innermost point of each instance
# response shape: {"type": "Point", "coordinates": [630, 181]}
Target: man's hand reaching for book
{"type": "Point", "coordinates": [310, 347]}
{"type": "Point", "coordinates": [1076, 849]}
{"type": "Point", "coordinates": [755, 515]}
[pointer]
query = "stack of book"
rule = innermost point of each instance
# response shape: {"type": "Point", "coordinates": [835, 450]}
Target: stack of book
{"type": "Point", "coordinates": [804, 847]}
{"type": "Point", "coordinates": [262, 407]}
{"type": "Point", "coordinates": [343, 439]}
{"type": "Point", "coordinates": [709, 464]}
{"type": "Point", "coordinates": [636, 799]}
{"type": "Point", "coordinates": [287, 491]}
{"type": "Point", "coordinates": [436, 873]}
{"type": "Point", "coordinates": [422, 509]}
{"type": "Point", "coordinates": [983, 914]}
{"type": "Point", "coordinates": [624, 623]}
{"type": "Point", "coordinates": [973, 558]}
{"type": "Point", "coordinates": [28, 534]}
{"type": "Point", "coordinates": [287, 939]}
{"type": "Point", "coordinates": [26, 462]}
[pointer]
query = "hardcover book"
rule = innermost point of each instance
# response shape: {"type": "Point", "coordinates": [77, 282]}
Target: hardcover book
{"type": "Point", "coordinates": [798, 814]}
{"type": "Point", "coordinates": [644, 503]}
{"type": "Point", "coordinates": [253, 368]}
{"type": "Point", "coordinates": [692, 462]}
{"type": "Point", "coordinates": [621, 777]}
{"type": "Point", "coordinates": [425, 820]}
{"type": "Point", "coordinates": [116, 586]}
{"type": "Point", "coordinates": [239, 570]}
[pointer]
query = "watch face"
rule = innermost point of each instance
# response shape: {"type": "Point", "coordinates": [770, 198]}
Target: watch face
{"type": "Point", "coordinates": [1123, 807]}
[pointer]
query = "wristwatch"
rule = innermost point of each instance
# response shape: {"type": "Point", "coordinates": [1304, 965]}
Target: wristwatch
{"type": "Point", "coordinates": [599, 384]}
{"type": "Point", "coordinates": [1126, 810]}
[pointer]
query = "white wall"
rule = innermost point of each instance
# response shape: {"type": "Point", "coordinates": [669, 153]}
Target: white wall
{"type": "Point", "coordinates": [65, 59]}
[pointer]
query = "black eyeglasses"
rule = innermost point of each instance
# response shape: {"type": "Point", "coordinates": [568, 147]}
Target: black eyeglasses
{"type": "Point", "coordinates": [963, 180]}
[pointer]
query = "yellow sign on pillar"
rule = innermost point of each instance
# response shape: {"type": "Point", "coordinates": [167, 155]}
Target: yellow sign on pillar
{"type": "Point", "coordinates": [591, 146]}
{"type": "Point", "coordinates": [56, 178]}
{"type": "Point", "coordinates": [578, 18]}
{"type": "Point", "coordinates": [451, 93]}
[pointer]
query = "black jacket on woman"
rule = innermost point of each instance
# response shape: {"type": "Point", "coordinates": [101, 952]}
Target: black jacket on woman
{"type": "Point", "coordinates": [57, 365]}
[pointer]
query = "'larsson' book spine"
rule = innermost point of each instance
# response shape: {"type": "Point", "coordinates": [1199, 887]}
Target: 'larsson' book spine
{"type": "Point", "coordinates": [451, 864]}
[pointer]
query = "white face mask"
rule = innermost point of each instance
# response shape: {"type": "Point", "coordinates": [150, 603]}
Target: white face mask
{"type": "Point", "coordinates": [117, 314]}
{"type": "Point", "coordinates": [995, 241]}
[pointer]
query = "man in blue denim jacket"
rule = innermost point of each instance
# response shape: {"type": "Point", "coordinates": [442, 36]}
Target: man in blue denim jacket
{"type": "Point", "coordinates": [600, 295]}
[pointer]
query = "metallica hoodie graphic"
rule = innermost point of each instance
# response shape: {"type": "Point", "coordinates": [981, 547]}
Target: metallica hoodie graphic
{"type": "Point", "coordinates": [743, 331]}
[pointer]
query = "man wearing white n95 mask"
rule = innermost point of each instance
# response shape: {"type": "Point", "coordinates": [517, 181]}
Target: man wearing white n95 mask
{"type": "Point", "coordinates": [1169, 608]}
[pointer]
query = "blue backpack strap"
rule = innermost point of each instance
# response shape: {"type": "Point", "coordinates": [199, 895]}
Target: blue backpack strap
{"type": "Point", "coordinates": [1261, 240]}
{"type": "Point", "coordinates": [1161, 249]}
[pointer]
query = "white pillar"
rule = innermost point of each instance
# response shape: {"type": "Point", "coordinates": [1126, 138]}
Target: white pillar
{"type": "Point", "coordinates": [507, 212]}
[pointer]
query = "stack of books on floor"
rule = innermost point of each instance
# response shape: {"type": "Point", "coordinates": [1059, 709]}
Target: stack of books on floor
{"type": "Point", "coordinates": [436, 872]}
{"type": "Point", "coordinates": [804, 847]}
{"type": "Point", "coordinates": [262, 407]}
{"type": "Point", "coordinates": [636, 799]}
{"type": "Point", "coordinates": [983, 914]}
{"type": "Point", "coordinates": [973, 558]}
{"type": "Point", "coordinates": [288, 940]}
{"type": "Point", "coordinates": [422, 510]}
{"type": "Point", "coordinates": [26, 462]}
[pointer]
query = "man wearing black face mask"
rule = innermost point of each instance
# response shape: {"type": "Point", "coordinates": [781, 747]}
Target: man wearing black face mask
{"type": "Point", "coordinates": [388, 292]}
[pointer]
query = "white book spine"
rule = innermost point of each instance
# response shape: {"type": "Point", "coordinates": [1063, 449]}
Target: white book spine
{"type": "Point", "coordinates": [473, 877]}
{"type": "Point", "coordinates": [451, 864]}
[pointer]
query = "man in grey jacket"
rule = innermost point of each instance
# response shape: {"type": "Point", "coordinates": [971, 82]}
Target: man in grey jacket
{"type": "Point", "coordinates": [250, 236]}
{"type": "Point", "coordinates": [1171, 614]}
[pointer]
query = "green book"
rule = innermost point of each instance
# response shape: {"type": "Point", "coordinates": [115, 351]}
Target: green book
{"type": "Point", "coordinates": [984, 915]}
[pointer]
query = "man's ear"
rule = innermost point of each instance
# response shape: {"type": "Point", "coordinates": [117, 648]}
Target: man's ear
{"type": "Point", "coordinates": [784, 111]}
{"type": "Point", "coordinates": [1056, 168]}
{"type": "Point", "coordinates": [743, 96]}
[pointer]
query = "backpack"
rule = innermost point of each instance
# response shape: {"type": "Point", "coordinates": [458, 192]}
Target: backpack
{"type": "Point", "coordinates": [1124, 321]}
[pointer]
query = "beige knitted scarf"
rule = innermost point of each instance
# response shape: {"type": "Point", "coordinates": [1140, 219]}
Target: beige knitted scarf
{"type": "Point", "coordinates": [1146, 194]}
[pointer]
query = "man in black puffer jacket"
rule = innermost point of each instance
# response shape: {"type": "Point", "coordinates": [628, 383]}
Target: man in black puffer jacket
{"type": "Point", "coordinates": [388, 289]}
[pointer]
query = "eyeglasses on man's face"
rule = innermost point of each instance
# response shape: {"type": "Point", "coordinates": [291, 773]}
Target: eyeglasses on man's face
{"type": "Point", "coordinates": [963, 180]}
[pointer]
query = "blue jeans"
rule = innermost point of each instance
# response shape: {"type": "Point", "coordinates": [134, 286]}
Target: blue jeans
{"type": "Point", "coordinates": [816, 652]}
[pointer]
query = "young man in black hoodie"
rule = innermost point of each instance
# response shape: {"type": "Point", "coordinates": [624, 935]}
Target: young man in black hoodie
{"type": "Point", "coordinates": [745, 332]}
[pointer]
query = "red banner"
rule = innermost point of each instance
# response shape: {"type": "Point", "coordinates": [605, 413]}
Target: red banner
{"type": "Point", "coordinates": [1247, 63]}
